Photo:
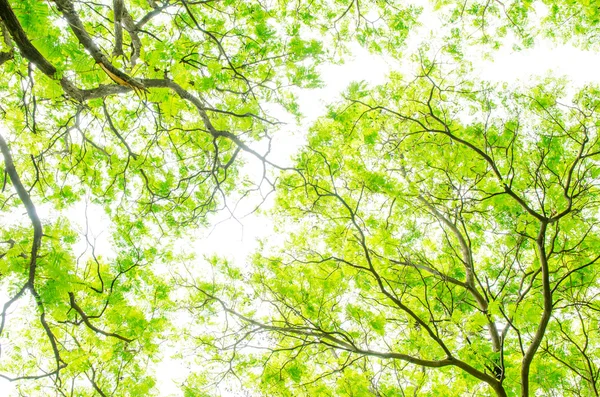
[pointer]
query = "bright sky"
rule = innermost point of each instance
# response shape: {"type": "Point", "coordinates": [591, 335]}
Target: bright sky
{"type": "Point", "coordinates": [236, 242]}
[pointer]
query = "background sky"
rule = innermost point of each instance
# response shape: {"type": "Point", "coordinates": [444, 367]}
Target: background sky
{"type": "Point", "coordinates": [237, 238]}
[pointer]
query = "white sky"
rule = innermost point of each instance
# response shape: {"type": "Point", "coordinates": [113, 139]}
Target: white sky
{"type": "Point", "coordinates": [230, 239]}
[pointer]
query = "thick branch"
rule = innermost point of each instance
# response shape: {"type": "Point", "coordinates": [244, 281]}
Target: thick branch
{"type": "Point", "coordinates": [547, 312]}
{"type": "Point", "coordinates": [18, 34]}
{"type": "Point", "coordinates": [29, 206]}
{"type": "Point", "coordinates": [118, 15]}
{"type": "Point", "coordinates": [129, 25]}
{"type": "Point", "coordinates": [35, 246]}
{"type": "Point", "coordinates": [68, 11]}
{"type": "Point", "coordinates": [6, 56]}
{"type": "Point", "coordinates": [87, 322]}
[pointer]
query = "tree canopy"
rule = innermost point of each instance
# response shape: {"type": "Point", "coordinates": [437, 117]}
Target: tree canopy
{"type": "Point", "coordinates": [436, 234]}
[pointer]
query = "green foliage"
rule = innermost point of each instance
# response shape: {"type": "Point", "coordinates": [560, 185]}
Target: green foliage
{"type": "Point", "coordinates": [527, 21]}
{"type": "Point", "coordinates": [436, 234]}
{"type": "Point", "coordinates": [414, 237]}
